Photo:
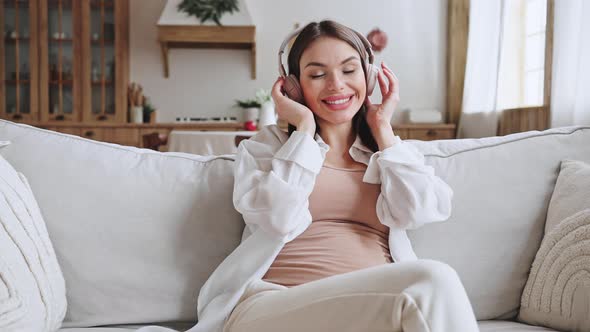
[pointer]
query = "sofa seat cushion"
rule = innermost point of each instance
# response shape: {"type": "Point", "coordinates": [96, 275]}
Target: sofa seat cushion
{"type": "Point", "coordinates": [178, 326]}
{"type": "Point", "coordinates": [509, 326]}
{"type": "Point", "coordinates": [97, 329]}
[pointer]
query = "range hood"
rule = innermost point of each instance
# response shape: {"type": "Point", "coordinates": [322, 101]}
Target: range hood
{"type": "Point", "coordinates": [178, 30]}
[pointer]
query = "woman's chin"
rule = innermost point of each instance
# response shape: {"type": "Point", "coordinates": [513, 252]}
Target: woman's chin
{"type": "Point", "coordinates": [338, 117]}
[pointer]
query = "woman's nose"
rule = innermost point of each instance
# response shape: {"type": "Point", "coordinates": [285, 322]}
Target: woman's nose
{"type": "Point", "coordinates": [335, 82]}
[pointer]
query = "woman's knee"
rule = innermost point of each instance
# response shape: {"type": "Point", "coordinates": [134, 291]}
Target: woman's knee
{"type": "Point", "coordinates": [439, 275]}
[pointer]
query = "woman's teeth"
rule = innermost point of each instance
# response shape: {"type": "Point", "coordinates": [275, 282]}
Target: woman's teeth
{"type": "Point", "coordinates": [338, 102]}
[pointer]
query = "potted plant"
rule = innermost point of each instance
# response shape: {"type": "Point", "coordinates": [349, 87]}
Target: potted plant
{"type": "Point", "coordinates": [148, 109]}
{"type": "Point", "coordinates": [251, 108]}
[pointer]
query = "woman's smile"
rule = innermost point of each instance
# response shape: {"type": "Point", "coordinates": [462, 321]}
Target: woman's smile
{"type": "Point", "coordinates": [339, 102]}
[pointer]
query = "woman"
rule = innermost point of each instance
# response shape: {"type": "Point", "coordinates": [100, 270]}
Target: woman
{"type": "Point", "coordinates": [326, 207]}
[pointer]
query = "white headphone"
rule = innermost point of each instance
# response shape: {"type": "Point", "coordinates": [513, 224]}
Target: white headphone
{"type": "Point", "coordinates": [293, 88]}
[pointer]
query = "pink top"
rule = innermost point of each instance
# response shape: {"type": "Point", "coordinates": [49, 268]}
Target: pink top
{"type": "Point", "coordinates": [345, 234]}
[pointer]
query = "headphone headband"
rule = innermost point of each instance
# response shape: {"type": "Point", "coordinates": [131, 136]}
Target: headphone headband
{"type": "Point", "coordinates": [282, 70]}
{"type": "Point", "coordinates": [282, 49]}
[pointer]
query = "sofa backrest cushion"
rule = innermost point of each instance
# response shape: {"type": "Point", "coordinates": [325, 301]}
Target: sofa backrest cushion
{"type": "Point", "coordinates": [137, 232]}
{"type": "Point", "coordinates": [502, 188]}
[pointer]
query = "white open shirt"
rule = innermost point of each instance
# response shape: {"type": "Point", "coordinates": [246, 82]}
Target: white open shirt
{"type": "Point", "coordinates": [274, 176]}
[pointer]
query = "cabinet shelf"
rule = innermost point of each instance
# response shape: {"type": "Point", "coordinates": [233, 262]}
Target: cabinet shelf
{"type": "Point", "coordinates": [10, 40]}
{"type": "Point", "coordinates": [205, 36]}
{"type": "Point", "coordinates": [15, 82]}
{"type": "Point", "coordinates": [106, 82]}
{"type": "Point", "coordinates": [61, 82]}
{"type": "Point", "coordinates": [98, 42]}
{"type": "Point", "coordinates": [61, 40]}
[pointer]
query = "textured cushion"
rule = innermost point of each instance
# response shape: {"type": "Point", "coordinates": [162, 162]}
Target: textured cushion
{"type": "Point", "coordinates": [571, 194]}
{"type": "Point", "coordinates": [32, 287]}
{"type": "Point", "coordinates": [557, 293]}
{"type": "Point", "coordinates": [137, 232]}
{"type": "Point", "coordinates": [502, 188]}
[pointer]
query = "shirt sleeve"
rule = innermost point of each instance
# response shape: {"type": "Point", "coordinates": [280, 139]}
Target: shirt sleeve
{"type": "Point", "coordinates": [411, 194]}
{"type": "Point", "coordinates": [273, 181]}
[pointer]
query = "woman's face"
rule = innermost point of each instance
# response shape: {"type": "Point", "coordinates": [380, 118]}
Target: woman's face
{"type": "Point", "coordinates": [332, 79]}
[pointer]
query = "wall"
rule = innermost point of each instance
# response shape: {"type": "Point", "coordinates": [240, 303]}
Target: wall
{"type": "Point", "coordinates": [207, 82]}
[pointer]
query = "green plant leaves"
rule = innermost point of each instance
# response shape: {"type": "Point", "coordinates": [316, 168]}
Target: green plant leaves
{"type": "Point", "coordinates": [206, 10]}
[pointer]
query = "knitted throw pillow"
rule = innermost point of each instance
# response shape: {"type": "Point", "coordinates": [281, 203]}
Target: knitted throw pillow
{"type": "Point", "coordinates": [32, 287]}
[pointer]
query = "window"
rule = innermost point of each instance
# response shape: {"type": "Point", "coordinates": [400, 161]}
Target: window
{"type": "Point", "coordinates": [522, 59]}
{"type": "Point", "coordinates": [535, 14]}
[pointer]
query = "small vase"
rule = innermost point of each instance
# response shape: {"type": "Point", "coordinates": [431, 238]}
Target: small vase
{"type": "Point", "coordinates": [267, 114]}
{"type": "Point", "coordinates": [136, 114]}
{"type": "Point", "coordinates": [251, 114]}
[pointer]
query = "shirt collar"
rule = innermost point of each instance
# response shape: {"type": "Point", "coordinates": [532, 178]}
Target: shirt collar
{"type": "Point", "coordinates": [358, 151]}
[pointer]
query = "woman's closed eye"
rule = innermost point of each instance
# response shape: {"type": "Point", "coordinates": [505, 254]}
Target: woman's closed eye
{"type": "Point", "coordinates": [346, 72]}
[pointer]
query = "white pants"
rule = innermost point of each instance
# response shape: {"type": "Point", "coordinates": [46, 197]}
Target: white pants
{"type": "Point", "coordinates": [422, 295]}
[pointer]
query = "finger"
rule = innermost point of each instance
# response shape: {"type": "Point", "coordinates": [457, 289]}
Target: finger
{"type": "Point", "coordinates": [383, 85]}
{"type": "Point", "coordinates": [393, 80]}
{"type": "Point", "coordinates": [276, 92]}
{"type": "Point", "coordinates": [367, 101]}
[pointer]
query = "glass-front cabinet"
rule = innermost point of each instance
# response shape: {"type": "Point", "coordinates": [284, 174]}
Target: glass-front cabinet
{"type": "Point", "coordinates": [60, 69]}
{"type": "Point", "coordinates": [65, 60]}
{"type": "Point", "coordinates": [18, 60]}
{"type": "Point", "coordinates": [105, 60]}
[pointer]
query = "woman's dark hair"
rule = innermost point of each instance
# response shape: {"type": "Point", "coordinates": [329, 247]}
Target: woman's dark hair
{"type": "Point", "coordinates": [327, 28]}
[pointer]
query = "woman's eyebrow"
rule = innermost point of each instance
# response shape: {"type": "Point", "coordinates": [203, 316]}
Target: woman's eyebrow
{"type": "Point", "coordinates": [323, 65]}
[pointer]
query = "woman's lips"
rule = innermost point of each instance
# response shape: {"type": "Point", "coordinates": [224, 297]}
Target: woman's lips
{"type": "Point", "coordinates": [338, 103]}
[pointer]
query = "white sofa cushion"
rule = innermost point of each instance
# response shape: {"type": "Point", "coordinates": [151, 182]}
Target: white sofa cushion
{"type": "Point", "coordinates": [502, 188]}
{"type": "Point", "coordinates": [137, 232]}
{"type": "Point", "coordinates": [557, 293]}
{"type": "Point", "coordinates": [507, 326]}
{"type": "Point", "coordinates": [571, 194]}
{"type": "Point", "coordinates": [32, 287]}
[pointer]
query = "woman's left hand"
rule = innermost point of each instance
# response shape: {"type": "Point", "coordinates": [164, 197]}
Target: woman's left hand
{"type": "Point", "coordinates": [379, 115]}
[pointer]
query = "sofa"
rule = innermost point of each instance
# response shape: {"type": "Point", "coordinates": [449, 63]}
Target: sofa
{"type": "Point", "coordinates": [137, 232]}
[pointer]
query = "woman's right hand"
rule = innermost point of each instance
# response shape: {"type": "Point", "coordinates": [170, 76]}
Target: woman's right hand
{"type": "Point", "coordinates": [291, 111]}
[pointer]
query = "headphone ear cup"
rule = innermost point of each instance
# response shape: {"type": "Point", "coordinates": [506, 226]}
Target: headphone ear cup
{"type": "Point", "coordinates": [293, 89]}
{"type": "Point", "coordinates": [372, 72]}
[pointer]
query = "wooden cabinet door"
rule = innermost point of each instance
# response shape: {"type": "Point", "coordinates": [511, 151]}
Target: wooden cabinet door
{"type": "Point", "coordinates": [59, 61]}
{"type": "Point", "coordinates": [69, 130]}
{"type": "Point", "coordinates": [19, 98]}
{"type": "Point", "coordinates": [402, 133]}
{"type": "Point", "coordinates": [105, 60]}
{"type": "Point", "coordinates": [96, 134]}
{"type": "Point", "coordinates": [431, 134]}
{"type": "Point", "coordinates": [123, 136]}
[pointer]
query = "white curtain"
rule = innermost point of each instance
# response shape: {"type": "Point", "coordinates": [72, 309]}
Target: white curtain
{"type": "Point", "coordinates": [480, 116]}
{"type": "Point", "coordinates": [570, 99]}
